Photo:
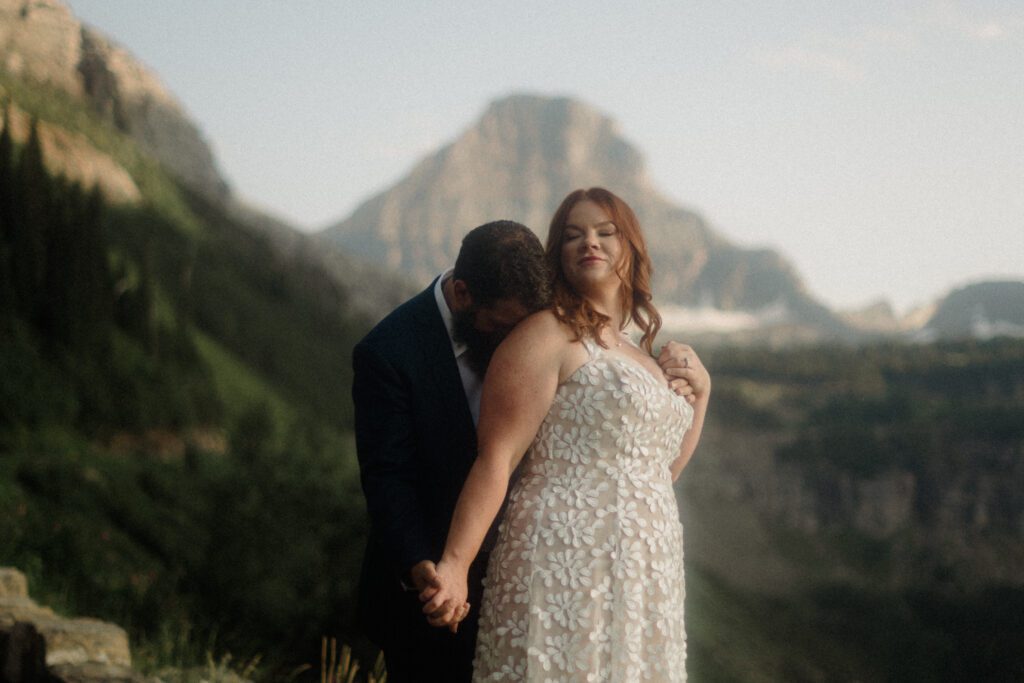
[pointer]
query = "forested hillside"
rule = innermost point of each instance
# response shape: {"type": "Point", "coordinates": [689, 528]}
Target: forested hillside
{"type": "Point", "coordinates": [856, 514]}
{"type": "Point", "coordinates": [174, 413]}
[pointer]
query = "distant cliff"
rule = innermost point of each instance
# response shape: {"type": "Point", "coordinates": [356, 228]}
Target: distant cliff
{"type": "Point", "coordinates": [904, 468]}
{"type": "Point", "coordinates": [41, 41]}
{"type": "Point", "coordinates": [45, 49]}
{"type": "Point", "coordinates": [981, 311]}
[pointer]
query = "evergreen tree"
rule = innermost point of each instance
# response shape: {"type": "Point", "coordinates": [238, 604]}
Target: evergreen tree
{"type": "Point", "coordinates": [96, 284]}
{"type": "Point", "coordinates": [146, 301]}
{"type": "Point", "coordinates": [6, 216]}
{"type": "Point", "coordinates": [134, 301]}
{"type": "Point", "coordinates": [32, 203]}
{"type": "Point", "coordinates": [60, 308]}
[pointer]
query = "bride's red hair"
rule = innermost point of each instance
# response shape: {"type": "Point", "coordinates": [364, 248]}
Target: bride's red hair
{"type": "Point", "coordinates": [634, 270]}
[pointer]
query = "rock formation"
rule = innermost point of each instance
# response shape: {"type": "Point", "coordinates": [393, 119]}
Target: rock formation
{"type": "Point", "coordinates": [77, 650]}
{"type": "Point", "coordinates": [964, 523]}
{"type": "Point", "coordinates": [981, 311]}
{"type": "Point", "coordinates": [71, 155]}
{"type": "Point", "coordinates": [42, 42]}
{"type": "Point", "coordinates": [518, 161]}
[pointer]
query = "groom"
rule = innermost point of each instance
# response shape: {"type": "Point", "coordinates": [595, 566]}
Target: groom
{"type": "Point", "coordinates": [416, 388]}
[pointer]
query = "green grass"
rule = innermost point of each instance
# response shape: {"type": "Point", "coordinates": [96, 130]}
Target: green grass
{"type": "Point", "coordinates": [239, 387]}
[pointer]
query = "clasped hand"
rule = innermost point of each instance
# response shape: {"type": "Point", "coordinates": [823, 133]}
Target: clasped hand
{"type": "Point", "coordinates": [443, 590]}
{"type": "Point", "coordinates": [684, 371]}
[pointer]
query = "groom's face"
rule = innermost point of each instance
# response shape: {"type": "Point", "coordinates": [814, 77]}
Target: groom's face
{"type": "Point", "coordinates": [482, 328]}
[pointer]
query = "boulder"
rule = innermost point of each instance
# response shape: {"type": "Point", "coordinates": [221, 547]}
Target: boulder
{"type": "Point", "coordinates": [23, 655]}
{"type": "Point", "coordinates": [36, 644]}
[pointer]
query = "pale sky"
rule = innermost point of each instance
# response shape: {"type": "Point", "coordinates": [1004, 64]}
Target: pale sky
{"type": "Point", "coordinates": [878, 146]}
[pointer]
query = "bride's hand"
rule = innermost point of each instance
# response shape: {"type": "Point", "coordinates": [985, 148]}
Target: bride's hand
{"type": "Point", "coordinates": [460, 614]}
{"type": "Point", "coordinates": [684, 371]}
{"type": "Point", "coordinates": [447, 605]}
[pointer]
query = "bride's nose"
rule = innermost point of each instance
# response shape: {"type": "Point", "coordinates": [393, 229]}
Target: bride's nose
{"type": "Point", "coordinates": [590, 242]}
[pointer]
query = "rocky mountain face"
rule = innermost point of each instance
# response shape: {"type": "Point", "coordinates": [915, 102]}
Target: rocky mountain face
{"type": "Point", "coordinates": [72, 155]}
{"type": "Point", "coordinates": [41, 41]}
{"type": "Point", "coordinates": [962, 524]}
{"type": "Point", "coordinates": [981, 311]}
{"type": "Point", "coordinates": [878, 316]}
{"type": "Point", "coordinates": [518, 161]}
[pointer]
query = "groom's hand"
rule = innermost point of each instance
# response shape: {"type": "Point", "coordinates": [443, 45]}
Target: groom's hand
{"type": "Point", "coordinates": [428, 583]}
{"type": "Point", "coordinates": [424, 578]}
{"type": "Point", "coordinates": [446, 605]}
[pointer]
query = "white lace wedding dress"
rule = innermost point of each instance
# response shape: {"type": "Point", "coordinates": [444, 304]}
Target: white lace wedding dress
{"type": "Point", "coordinates": [586, 580]}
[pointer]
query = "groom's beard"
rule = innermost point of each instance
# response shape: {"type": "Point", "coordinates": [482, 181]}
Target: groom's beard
{"type": "Point", "coordinates": [480, 346]}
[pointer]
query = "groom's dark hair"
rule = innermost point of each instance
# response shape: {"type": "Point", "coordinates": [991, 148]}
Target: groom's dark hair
{"type": "Point", "coordinates": [504, 260]}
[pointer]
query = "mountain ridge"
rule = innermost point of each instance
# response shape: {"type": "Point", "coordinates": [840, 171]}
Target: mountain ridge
{"type": "Point", "coordinates": [979, 310]}
{"type": "Point", "coordinates": [518, 160]}
{"type": "Point", "coordinates": [42, 41]}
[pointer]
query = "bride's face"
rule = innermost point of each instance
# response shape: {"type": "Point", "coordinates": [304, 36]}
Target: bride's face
{"type": "Point", "coordinates": [591, 247]}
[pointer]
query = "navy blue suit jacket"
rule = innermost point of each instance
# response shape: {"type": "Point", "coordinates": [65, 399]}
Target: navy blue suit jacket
{"type": "Point", "coordinates": [416, 443]}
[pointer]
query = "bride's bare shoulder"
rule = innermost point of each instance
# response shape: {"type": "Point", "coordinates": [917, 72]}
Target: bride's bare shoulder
{"type": "Point", "coordinates": [540, 344]}
{"type": "Point", "coordinates": [541, 328]}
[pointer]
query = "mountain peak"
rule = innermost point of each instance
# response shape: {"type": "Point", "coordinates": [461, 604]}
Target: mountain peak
{"type": "Point", "coordinates": [538, 108]}
{"type": "Point", "coordinates": [575, 137]}
{"type": "Point", "coordinates": [523, 155]}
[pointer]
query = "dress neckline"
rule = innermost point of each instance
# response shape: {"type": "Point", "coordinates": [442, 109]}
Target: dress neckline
{"type": "Point", "coordinates": [597, 351]}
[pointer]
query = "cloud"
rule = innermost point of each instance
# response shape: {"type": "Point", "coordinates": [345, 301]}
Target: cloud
{"type": "Point", "coordinates": [854, 57]}
{"type": "Point", "coordinates": [815, 60]}
{"type": "Point", "coordinates": [847, 58]}
{"type": "Point", "coordinates": [952, 17]}
{"type": "Point", "coordinates": [886, 37]}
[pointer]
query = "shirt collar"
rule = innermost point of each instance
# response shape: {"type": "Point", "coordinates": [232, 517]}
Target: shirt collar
{"type": "Point", "coordinates": [458, 348]}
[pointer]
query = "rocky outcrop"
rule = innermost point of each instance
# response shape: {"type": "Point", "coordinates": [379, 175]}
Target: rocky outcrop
{"type": "Point", "coordinates": [42, 42]}
{"type": "Point", "coordinates": [771, 525]}
{"type": "Point", "coordinates": [71, 155]}
{"type": "Point", "coordinates": [518, 161]}
{"type": "Point", "coordinates": [74, 650]}
{"type": "Point", "coordinates": [878, 316]}
{"type": "Point", "coordinates": [39, 646]}
{"type": "Point", "coordinates": [121, 89]}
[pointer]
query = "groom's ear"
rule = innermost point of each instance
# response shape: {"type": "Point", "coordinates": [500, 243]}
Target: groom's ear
{"type": "Point", "coordinates": [463, 300]}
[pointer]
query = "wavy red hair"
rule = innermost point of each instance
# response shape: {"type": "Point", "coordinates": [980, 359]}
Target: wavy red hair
{"type": "Point", "coordinates": [634, 271]}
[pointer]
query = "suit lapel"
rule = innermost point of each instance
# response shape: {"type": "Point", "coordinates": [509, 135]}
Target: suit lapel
{"type": "Point", "coordinates": [452, 409]}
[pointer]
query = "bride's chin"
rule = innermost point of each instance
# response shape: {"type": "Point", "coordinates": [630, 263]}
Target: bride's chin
{"type": "Point", "coordinates": [597, 289]}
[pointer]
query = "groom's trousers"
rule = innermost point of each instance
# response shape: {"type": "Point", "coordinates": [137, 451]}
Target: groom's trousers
{"type": "Point", "coordinates": [416, 652]}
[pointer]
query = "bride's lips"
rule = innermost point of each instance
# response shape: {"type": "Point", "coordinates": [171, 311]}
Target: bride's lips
{"type": "Point", "coordinates": [590, 259]}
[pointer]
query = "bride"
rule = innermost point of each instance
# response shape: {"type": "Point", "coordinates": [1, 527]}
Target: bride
{"type": "Point", "coordinates": [586, 580]}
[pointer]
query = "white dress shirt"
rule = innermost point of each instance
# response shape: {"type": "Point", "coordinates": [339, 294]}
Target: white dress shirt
{"type": "Point", "coordinates": [471, 382]}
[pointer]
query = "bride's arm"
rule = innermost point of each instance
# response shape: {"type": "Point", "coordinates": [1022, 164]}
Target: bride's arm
{"type": "Point", "coordinates": [692, 437]}
{"type": "Point", "coordinates": [517, 393]}
{"type": "Point", "coordinates": [690, 379]}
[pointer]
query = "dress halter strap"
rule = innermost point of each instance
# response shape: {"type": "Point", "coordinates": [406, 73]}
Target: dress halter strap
{"type": "Point", "coordinates": [593, 348]}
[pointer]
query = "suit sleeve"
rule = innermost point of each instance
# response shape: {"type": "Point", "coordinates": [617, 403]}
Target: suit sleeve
{"type": "Point", "coordinates": [388, 471]}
